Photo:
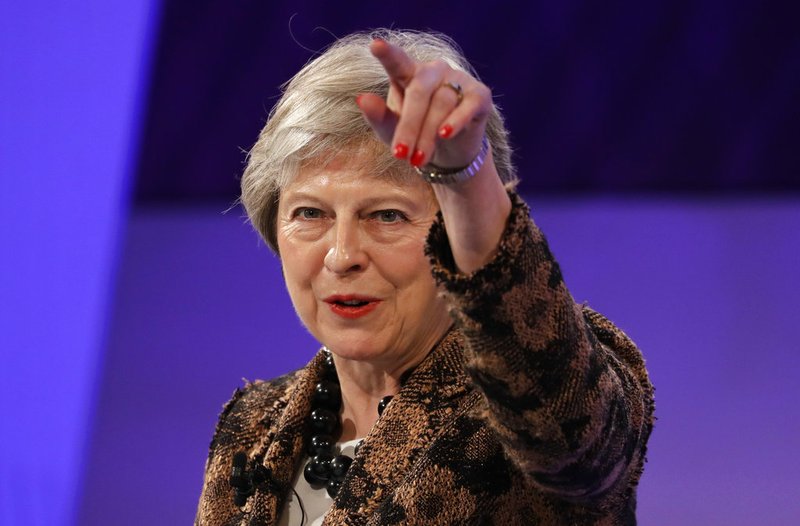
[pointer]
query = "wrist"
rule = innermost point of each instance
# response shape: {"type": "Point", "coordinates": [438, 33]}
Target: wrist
{"type": "Point", "coordinates": [439, 175]}
{"type": "Point", "coordinates": [475, 214]}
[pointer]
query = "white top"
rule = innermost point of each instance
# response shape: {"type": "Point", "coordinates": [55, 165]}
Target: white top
{"type": "Point", "coordinates": [315, 502]}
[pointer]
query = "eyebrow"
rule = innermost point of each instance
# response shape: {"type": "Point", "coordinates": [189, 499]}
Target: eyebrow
{"type": "Point", "coordinates": [301, 195]}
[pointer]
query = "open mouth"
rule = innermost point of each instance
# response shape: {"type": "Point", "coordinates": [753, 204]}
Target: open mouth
{"type": "Point", "coordinates": [351, 303]}
{"type": "Point", "coordinates": [351, 306]}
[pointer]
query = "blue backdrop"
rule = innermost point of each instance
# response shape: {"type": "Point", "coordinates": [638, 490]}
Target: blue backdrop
{"type": "Point", "coordinates": [71, 102]}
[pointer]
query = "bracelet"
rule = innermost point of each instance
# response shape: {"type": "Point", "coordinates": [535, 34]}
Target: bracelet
{"type": "Point", "coordinates": [437, 175]}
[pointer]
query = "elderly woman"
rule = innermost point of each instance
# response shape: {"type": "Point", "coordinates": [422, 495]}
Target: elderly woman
{"type": "Point", "coordinates": [458, 382]}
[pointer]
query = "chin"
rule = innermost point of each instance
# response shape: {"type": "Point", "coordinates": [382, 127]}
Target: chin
{"type": "Point", "coordinates": [356, 345]}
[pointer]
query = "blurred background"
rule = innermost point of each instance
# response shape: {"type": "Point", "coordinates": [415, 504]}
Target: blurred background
{"type": "Point", "coordinates": [658, 148]}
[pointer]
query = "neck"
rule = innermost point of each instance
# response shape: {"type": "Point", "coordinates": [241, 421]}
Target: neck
{"type": "Point", "coordinates": [363, 385]}
{"type": "Point", "coordinates": [364, 382]}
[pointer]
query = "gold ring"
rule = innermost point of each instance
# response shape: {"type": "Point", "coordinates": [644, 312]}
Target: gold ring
{"type": "Point", "coordinates": [455, 86]}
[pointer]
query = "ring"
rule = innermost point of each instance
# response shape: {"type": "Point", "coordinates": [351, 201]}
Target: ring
{"type": "Point", "coordinates": [455, 86]}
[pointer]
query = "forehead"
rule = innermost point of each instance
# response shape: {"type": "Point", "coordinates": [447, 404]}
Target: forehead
{"type": "Point", "coordinates": [355, 170]}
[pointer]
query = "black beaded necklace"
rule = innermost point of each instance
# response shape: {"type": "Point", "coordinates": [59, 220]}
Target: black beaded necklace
{"type": "Point", "coordinates": [324, 467]}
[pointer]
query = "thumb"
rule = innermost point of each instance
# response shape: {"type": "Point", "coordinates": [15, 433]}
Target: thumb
{"type": "Point", "coordinates": [381, 119]}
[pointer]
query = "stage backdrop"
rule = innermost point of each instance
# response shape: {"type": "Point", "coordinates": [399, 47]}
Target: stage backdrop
{"type": "Point", "coordinates": [657, 144]}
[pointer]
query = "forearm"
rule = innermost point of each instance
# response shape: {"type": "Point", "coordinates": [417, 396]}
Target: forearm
{"type": "Point", "coordinates": [475, 213]}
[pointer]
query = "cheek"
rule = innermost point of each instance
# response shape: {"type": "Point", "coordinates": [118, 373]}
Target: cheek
{"type": "Point", "coordinates": [408, 268]}
{"type": "Point", "coordinates": [298, 276]}
{"type": "Point", "coordinates": [300, 264]}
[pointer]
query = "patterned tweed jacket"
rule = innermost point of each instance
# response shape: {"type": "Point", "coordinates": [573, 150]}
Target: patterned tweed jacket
{"type": "Point", "coordinates": [532, 411]}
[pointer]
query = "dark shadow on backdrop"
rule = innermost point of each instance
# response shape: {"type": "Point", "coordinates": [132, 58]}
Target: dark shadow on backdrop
{"type": "Point", "coordinates": [656, 96]}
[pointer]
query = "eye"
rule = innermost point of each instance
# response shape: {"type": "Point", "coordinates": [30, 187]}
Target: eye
{"type": "Point", "coordinates": [308, 213]}
{"type": "Point", "coordinates": [389, 216]}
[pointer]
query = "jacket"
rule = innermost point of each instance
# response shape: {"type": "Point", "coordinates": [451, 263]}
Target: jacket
{"type": "Point", "coordinates": [533, 410]}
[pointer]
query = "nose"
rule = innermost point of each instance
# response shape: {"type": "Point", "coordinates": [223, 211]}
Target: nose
{"type": "Point", "coordinates": [346, 253]}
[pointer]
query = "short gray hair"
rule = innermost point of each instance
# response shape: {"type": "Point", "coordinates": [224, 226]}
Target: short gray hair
{"type": "Point", "coordinates": [317, 117]}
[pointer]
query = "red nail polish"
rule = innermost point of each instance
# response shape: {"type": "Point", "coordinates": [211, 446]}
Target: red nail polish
{"type": "Point", "coordinates": [401, 150]}
{"type": "Point", "coordinates": [358, 99]}
{"type": "Point", "coordinates": [417, 158]}
{"type": "Point", "coordinates": [445, 131]}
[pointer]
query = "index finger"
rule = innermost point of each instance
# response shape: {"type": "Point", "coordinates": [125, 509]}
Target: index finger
{"type": "Point", "coordinates": [398, 65]}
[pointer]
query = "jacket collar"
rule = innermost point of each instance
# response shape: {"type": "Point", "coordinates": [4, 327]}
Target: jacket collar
{"type": "Point", "coordinates": [430, 400]}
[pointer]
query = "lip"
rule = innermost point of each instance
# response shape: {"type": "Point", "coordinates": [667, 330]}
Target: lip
{"type": "Point", "coordinates": [351, 312]}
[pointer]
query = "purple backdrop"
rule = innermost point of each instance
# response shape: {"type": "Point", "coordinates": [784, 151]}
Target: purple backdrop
{"type": "Point", "coordinates": [67, 142]}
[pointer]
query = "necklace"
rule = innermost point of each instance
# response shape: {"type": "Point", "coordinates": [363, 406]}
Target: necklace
{"type": "Point", "coordinates": [325, 467]}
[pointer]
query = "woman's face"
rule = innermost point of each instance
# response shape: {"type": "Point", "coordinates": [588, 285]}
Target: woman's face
{"type": "Point", "coordinates": [351, 246]}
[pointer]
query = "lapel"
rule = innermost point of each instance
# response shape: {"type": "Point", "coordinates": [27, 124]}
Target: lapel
{"type": "Point", "coordinates": [283, 445]}
{"type": "Point", "coordinates": [435, 394]}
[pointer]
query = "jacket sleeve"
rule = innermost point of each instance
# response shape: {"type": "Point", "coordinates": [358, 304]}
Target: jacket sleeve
{"type": "Point", "coordinates": [565, 391]}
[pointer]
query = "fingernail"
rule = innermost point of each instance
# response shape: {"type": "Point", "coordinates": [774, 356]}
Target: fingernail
{"type": "Point", "coordinates": [358, 99]}
{"type": "Point", "coordinates": [401, 150]}
{"type": "Point", "coordinates": [445, 131]}
{"type": "Point", "coordinates": [417, 158]}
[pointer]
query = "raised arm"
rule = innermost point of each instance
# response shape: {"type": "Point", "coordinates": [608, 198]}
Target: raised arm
{"type": "Point", "coordinates": [566, 392]}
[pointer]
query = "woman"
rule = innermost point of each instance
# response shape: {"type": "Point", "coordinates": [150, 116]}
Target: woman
{"type": "Point", "coordinates": [477, 390]}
